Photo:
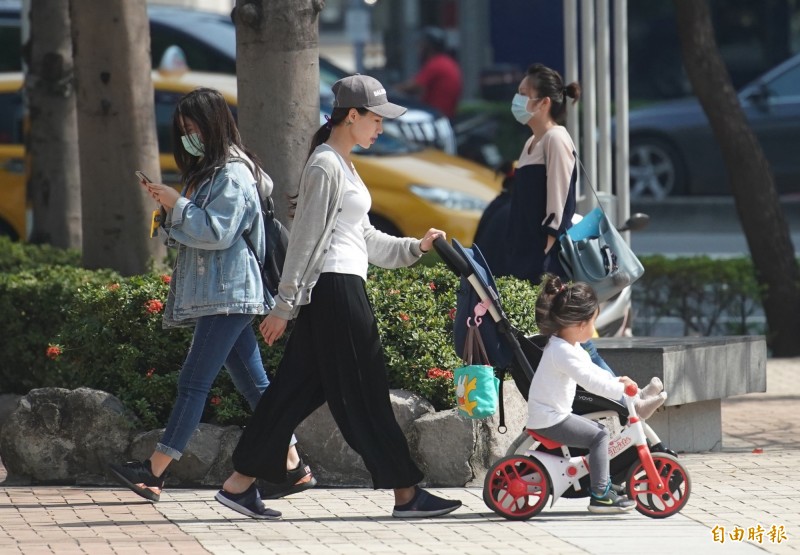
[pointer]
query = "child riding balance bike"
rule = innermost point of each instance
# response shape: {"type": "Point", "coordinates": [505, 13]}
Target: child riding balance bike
{"type": "Point", "coordinates": [517, 487]}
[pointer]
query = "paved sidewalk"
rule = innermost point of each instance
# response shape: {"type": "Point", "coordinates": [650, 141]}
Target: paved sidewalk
{"type": "Point", "coordinates": [751, 488]}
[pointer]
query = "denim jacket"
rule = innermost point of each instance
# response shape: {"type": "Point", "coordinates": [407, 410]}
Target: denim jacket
{"type": "Point", "coordinates": [215, 272]}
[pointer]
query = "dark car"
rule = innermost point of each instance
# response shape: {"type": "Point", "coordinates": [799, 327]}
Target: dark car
{"type": "Point", "coordinates": [208, 41]}
{"type": "Point", "coordinates": [673, 150]}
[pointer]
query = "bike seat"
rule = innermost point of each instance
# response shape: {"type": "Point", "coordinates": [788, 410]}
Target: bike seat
{"type": "Point", "coordinates": [547, 443]}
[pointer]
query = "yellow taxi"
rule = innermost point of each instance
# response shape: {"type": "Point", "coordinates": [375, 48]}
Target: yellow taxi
{"type": "Point", "coordinates": [412, 188]}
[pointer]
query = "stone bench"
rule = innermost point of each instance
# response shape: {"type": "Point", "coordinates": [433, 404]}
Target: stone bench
{"type": "Point", "coordinates": [698, 372]}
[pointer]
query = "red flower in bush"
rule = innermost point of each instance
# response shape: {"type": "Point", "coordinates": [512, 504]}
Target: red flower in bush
{"type": "Point", "coordinates": [452, 313]}
{"type": "Point", "coordinates": [154, 306]}
{"type": "Point", "coordinates": [150, 373]}
{"type": "Point", "coordinates": [166, 278]}
{"type": "Point", "coordinates": [432, 286]}
{"type": "Point", "coordinates": [434, 373]}
{"type": "Point", "coordinates": [404, 317]}
{"type": "Point", "coordinates": [53, 351]}
{"type": "Point", "coordinates": [112, 286]}
{"type": "Point", "coordinates": [215, 400]}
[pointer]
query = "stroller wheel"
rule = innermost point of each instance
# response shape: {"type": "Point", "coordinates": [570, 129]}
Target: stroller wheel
{"type": "Point", "coordinates": [659, 504]}
{"type": "Point", "coordinates": [516, 487]}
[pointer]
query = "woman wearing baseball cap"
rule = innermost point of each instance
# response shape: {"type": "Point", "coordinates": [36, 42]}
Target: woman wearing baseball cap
{"type": "Point", "coordinates": [334, 353]}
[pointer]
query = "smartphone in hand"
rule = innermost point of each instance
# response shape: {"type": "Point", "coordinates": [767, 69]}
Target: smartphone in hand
{"type": "Point", "coordinates": [141, 175]}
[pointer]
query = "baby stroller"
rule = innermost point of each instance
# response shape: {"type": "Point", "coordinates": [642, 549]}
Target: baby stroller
{"type": "Point", "coordinates": [518, 485]}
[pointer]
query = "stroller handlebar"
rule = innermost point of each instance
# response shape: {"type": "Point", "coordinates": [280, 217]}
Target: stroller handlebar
{"type": "Point", "coordinates": [454, 261]}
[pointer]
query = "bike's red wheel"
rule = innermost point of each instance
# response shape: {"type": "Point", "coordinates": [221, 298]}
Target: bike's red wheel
{"type": "Point", "coordinates": [516, 487]}
{"type": "Point", "coordinates": [656, 504]}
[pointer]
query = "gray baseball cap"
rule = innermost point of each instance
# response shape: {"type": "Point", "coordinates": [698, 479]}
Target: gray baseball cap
{"type": "Point", "coordinates": [363, 91]}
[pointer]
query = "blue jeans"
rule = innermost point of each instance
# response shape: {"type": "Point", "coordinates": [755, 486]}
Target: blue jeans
{"type": "Point", "coordinates": [219, 340]}
{"type": "Point", "coordinates": [590, 348]}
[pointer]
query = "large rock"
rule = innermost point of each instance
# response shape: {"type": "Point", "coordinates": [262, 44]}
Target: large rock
{"type": "Point", "coordinates": [8, 404]}
{"type": "Point", "coordinates": [206, 460]}
{"type": "Point", "coordinates": [333, 462]}
{"type": "Point", "coordinates": [454, 450]}
{"type": "Point", "coordinates": [67, 437]}
{"type": "Point", "coordinates": [450, 449]}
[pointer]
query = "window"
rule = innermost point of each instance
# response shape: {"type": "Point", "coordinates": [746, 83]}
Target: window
{"type": "Point", "coordinates": [165, 103]}
{"type": "Point", "coordinates": [10, 46]}
{"type": "Point", "coordinates": [787, 84]}
{"type": "Point", "coordinates": [11, 113]}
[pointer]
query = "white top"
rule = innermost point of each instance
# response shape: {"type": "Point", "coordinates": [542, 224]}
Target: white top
{"type": "Point", "coordinates": [347, 253]}
{"type": "Point", "coordinates": [556, 151]}
{"type": "Point", "coordinates": [552, 391]}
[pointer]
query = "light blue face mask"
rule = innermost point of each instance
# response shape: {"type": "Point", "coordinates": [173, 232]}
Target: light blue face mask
{"type": "Point", "coordinates": [192, 144]}
{"type": "Point", "coordinates": [519, 107]}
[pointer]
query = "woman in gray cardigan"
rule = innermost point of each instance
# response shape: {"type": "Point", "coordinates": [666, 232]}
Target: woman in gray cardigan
{"type": "Point", "coordinates": [334, 353]}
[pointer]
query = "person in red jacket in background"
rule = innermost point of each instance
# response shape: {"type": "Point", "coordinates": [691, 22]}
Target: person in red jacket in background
{"type": "Point", "coordinates": [438, 82]}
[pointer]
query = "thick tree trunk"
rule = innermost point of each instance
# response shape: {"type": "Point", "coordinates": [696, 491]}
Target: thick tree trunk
{"type": "Point", "coordinates": [277, 66]}
{"type": "Point", "coordinates": [751, 178]}
{"type": "Point", "coordinates": [116, 126]}
{"type": "Point", "coordinates": [54, 184]}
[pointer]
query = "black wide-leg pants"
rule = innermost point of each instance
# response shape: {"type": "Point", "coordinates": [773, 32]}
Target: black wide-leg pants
{"type": "Point", "coordinates": [334, 354]}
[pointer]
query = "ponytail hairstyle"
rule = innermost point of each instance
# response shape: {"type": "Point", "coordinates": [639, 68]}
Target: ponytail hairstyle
{"type": "Point", "coordinates": [549, 83]}
{"type": "Point", "coordinates": [337, 117]}
{"type": "Point", "coordinates": [561, 305]}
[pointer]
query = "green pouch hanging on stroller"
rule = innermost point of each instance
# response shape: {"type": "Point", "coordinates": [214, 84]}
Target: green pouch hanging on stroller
{"type": "Point", "coordinates": [477, 387]}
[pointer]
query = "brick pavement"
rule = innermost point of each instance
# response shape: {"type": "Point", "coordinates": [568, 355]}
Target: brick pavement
{"type": "Point", "coordinates": [753, 482]}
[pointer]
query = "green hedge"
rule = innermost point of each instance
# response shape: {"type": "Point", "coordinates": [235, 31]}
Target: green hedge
{"type": "Point", "coordinates": [16, 256]}
{"type": "Point", "coordinates": [34, 307]}
{"type": "Point", "coordinates": [68, 327]}
{"type": "Point", "coordinates": [709, 296]}
{"type": "Point", "coordinates": [72, 328]}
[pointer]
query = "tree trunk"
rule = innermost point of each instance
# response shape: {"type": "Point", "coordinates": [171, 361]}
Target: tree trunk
{"type": "Point", "coordinates": [277, 67]}
{"type": "Point", "coordinates": [751, 178]}
{"type": "Point", "coordinates": [54, 184]}
{"type": "Point", "coordinates": [116, 126]}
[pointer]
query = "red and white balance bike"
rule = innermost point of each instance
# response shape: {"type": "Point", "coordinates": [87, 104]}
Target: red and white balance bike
{"type": "Point", "coordinates": [518, 486]}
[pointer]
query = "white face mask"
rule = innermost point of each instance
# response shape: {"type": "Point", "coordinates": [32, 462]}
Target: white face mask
{"type": "Point", "coordinates": [519, 107]}
{"type": "Point", "coordinates": [192, 144]}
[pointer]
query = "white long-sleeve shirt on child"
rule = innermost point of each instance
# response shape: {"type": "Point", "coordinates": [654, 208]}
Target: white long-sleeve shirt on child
{"type": "Point", "coordinates": [563, 366]}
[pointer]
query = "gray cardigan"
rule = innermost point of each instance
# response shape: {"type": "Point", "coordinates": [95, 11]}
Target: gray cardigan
{"type": "Point", "coordinates": [319, 203]}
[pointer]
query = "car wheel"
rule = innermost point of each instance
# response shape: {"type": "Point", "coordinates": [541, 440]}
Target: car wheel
{"type": "Point", "coordinates": [655, 168]}
{"type": "Point", "coordinates": [382, 224]}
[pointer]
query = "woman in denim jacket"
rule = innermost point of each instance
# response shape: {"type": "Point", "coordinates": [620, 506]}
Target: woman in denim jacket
{"type": "Point", "coordinates": [216, 283]}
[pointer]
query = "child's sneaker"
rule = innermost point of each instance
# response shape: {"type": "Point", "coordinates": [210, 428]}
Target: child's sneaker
{"type": "Point", "coordinates": [138, 477]}
{"type": "Point", "coordinates": [646, 407]}
{"type": "Point", "coordinates": [610, 503]}
{"type": "Point", "coordinates": [619, 490]}
{"type": "Point", "coordinates": [425, 504]}
{"type": "Point", "coordinates": [247, 503]}
{"type": "Point", "coordinates": [653, 388]}
{"type": "Point", "coordinates": [297, 480]}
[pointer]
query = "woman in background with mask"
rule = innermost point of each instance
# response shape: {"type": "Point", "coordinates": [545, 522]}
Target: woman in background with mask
{"type": "Point", "coordinates": [542, 200]}
{"type": "Point", "coordinates": [518, 238]}
{"type": "Point", "coordinates": [216, 283]}
{"type": "Point", "coordinates": [543, 197]}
